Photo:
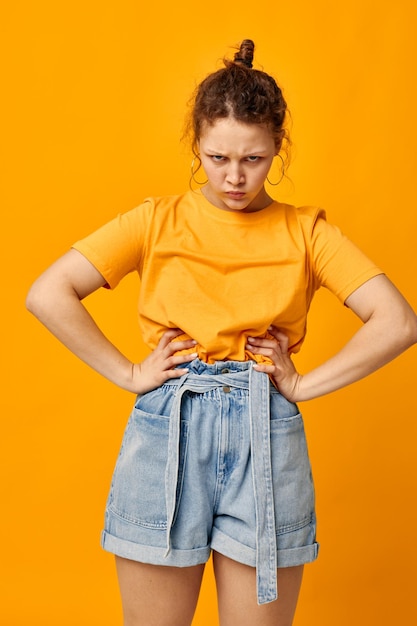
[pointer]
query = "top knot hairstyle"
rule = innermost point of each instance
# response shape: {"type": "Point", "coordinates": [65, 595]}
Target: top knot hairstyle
{"type": "Point", "coordinates": [247, 95]}
{"type": "Point", "coordinates": [245, 54]}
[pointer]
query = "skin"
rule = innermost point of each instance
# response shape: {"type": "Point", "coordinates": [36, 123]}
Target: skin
{"type": "Point", "coordinates": [167, 596]}
{"type": "Point", "coordinates": [236, 158]}
{"type": "Point", "coordinates": [389, 328]}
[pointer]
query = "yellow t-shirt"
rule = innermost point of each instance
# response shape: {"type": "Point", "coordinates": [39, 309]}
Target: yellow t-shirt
{"type": "Point", "coordinates": [222, 276]}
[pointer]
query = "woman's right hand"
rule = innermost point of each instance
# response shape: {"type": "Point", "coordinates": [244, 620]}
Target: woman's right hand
{"type": "Point", "coordinates": [161, 364]}
{"type": "Point", "coordinates": [55, 299]}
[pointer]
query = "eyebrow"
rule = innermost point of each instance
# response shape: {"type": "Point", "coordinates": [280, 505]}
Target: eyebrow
{"type": "Point", "coordinates": [249, 153]}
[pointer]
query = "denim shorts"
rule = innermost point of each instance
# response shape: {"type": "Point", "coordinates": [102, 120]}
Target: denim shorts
{"type": "Point", "coordinates": [215, 460]}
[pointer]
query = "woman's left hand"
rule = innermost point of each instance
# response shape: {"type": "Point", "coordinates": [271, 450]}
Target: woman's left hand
{"type": "Point", "coordinates": [389, 327]}
{"type": "Point", "coordinates": [282, 371]}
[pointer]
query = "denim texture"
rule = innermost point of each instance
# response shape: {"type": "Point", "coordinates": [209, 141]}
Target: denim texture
{"type": "Point", "coordinates": [215, 460]}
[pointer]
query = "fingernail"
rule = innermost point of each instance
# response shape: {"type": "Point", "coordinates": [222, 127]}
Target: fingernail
{"type": "Point", "coordinates": [194, 355]}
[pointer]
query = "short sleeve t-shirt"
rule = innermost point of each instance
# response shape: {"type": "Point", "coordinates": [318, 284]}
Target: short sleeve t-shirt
{"type": "Point", "coordinates": [221, 276]}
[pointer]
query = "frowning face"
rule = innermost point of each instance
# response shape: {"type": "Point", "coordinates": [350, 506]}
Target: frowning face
{"type": "Point", "coordinates": [236, 158]}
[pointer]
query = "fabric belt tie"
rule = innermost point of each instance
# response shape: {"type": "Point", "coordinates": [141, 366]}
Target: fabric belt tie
{"type": "Point", "coordinates": [259, 414]}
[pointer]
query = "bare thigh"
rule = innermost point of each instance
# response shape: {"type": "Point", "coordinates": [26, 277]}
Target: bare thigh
{"type": "Point", "coordinates": [155, 595]}
{"type": "Point", "coordinates": [236, 590]}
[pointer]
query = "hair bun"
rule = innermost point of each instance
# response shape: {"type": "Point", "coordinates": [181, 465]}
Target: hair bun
{"type": "Point", "coordinates": [245, 54]}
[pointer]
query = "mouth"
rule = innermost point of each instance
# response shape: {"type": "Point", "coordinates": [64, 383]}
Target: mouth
{"type": "Point", "coordinates": [236, 195]}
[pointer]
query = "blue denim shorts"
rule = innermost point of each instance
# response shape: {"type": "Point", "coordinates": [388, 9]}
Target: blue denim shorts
{"type": "Point", "coordinates": [215, 460]}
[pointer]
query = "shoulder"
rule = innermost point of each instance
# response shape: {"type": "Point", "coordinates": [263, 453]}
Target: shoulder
{"type": "Point", "coordinates": [150, 211]}
{"type": "Point", "coordinates": [300, 221]}
{"type": "Point", "coordinates": [156, 206]}
{"type": "Point", "coordinates": [303, 215]}
{"type": "Point", "coordinates": [309, 216]}
{"type": "Point", "coordinates": [317, 230]}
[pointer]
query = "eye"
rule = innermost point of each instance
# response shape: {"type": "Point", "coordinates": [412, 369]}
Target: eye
{"type": "Point", "coordinates": [217, 158]}
{"type": "Point", "coordinates": [253, 159]}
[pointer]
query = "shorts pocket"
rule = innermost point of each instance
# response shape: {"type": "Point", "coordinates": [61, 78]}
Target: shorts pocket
{"type": "Point", "coordinates": [291, 473]}
{"type": "Point", "coordinates": [281, 408]}
{"type": "Point", "coordinates": [137, 493]}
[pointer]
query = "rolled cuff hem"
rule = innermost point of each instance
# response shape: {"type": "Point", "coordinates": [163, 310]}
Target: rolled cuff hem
{"type": "Point", "coordinates": [286, 557]}
{"type": "Point", "coordinates": [153, 555]}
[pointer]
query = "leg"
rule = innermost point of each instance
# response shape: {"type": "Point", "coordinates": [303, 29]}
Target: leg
{"type": "Point", "coordinates": [155, 595]}
{"type": "Point", "coordinates": [236, 589]}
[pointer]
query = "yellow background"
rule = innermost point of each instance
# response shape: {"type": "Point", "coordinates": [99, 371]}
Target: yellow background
{"type": "Point", "coordinates": [93, 103]}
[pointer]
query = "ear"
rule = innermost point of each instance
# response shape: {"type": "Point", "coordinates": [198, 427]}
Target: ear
{"type": "Point", "coordinates": [196, 147]}
{"type": "Point", "coordinates": [278, 141]}
{"type": "Point", "coordinates": [278, 144]}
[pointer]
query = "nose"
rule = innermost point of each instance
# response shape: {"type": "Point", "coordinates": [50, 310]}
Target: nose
{"type": "Point", "coordinates": [234, 174]}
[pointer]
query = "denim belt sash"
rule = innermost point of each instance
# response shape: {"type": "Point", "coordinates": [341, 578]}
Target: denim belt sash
{"type": "Point", "coordinates": [259, 415]}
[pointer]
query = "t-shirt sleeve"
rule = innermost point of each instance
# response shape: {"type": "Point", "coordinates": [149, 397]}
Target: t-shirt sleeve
{"type": "Point", "coordinates": [336, 263]}
{"type": "Point", "coordinates": [117, 248]}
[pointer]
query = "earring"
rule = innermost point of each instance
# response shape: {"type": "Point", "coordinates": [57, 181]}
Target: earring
{"type": "Point", "coordinates": [193, 173]}
{"type": "Point", "coordinates": [282, 172]}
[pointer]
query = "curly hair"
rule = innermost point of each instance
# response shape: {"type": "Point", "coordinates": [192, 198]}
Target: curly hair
{"type": "Point", "coordinates": [248, 95]}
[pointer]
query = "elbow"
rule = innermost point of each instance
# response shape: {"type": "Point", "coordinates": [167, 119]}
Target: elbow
{"type": "Point", "coordinates": [42, 299]}
{"type": "Point", "coordinates": [411, 330]}
{"type": "Point", "coordinates": [35, 300]}
{"type": "Point", "coordinates": [407, 330]}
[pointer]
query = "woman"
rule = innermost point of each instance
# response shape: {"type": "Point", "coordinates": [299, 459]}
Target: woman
{"type": "Point", "coordinates": [214, 458]}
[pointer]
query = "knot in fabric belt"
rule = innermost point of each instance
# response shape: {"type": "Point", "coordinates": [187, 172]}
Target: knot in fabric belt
{"type": "Point", "coordinates": [259, 415]}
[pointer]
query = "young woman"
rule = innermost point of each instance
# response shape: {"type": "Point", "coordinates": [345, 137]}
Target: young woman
{"type": "Point", "coordinates": [214, 458]}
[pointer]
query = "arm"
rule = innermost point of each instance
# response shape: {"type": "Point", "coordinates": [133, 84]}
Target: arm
{"type": "Point", "coordinates": [55, 299]}
{"type": "Point", "coordinates": [390, 327]}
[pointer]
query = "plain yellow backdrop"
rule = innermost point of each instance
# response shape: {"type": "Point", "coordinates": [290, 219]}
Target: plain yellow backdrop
{"type": "Point", "coordinates": [93, 101]}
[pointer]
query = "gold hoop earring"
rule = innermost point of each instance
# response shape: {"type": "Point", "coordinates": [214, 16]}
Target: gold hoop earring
{"type": "Point", "coordinates": [193, 173]}
{"type": "Point", "coordinates": [282, 172]}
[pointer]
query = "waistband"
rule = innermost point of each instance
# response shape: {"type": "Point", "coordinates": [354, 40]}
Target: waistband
{"type": "Point", "coordinates": [200, 379]}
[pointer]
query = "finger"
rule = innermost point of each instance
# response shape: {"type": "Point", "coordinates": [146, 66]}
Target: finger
{"type": "Point", "coordinates": [281, 337]}
{"type": "Point", "coordinates": [174, 361]}
{"type": "Point", "coordinates": [264, 347]}
{"type": "Point", "coordinates": [277, 333]}
{"type": "Point", "coordinates": [168, 336]}
{"type": "Point", "coordinates": [274, 331]}
{"type": "Point", "coordinates": [262, 367]}
{"type": "Point", "coordinates": [260, 350]}
{"type": "Point", "coordinates": [262, 342]}
{"type": "Point", "coordinates": [283, 341]}
{"type": "Point", "coordinates": [178, 346]}
{"type": "Point", "coordinates": [177, 373]}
